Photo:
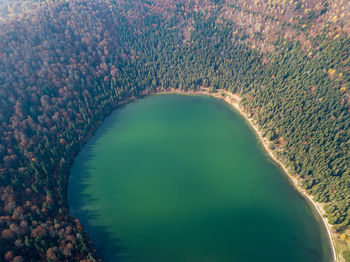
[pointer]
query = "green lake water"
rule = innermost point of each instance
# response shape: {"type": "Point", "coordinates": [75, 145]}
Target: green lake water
{"type": "Point", "coordinates": [174, 178]}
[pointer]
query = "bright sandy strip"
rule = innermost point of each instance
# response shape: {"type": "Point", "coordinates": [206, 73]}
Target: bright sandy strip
{"type": "Point", "coordinates": [233, 100]}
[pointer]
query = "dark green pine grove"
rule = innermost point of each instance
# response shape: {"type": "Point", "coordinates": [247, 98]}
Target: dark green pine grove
{"type": "Point", "coordinates": [302, 111]}
{"type": "Point", "coordinates": [67, 66]}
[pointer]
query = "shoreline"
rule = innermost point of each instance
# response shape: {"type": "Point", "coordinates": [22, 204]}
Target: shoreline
{"type": "Point", "coordinates": [233, 100]}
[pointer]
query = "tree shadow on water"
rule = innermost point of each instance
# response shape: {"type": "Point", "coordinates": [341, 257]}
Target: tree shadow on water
{"type": "Point", "coordinates": [108, 247]}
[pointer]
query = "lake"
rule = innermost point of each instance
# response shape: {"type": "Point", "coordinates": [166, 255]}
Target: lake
{"type": "Point", "coordinates": [175, 178]}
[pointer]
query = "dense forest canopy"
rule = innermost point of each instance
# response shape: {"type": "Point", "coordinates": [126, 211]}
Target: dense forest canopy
{"type": "Point", "coordinates": [65, 65]}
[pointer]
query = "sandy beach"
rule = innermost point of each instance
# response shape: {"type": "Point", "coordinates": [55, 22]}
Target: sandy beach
{"type": "Point", "coordinates": [233, 100]}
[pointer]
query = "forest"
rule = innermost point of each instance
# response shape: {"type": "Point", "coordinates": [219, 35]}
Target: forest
{"type": "Point", "coordinates": [65, 65]}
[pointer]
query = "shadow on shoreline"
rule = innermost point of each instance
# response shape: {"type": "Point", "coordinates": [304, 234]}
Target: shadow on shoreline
{"type": "Point", "coordinates": [108, 247]}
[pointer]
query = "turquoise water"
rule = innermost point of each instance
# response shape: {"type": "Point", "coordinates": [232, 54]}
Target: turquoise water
{"type": "Point", "coordinates": [174, 178]}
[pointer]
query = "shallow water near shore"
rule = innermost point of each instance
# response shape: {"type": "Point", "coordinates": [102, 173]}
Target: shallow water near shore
{"type": "Point", "coordinates": [177, 178]}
